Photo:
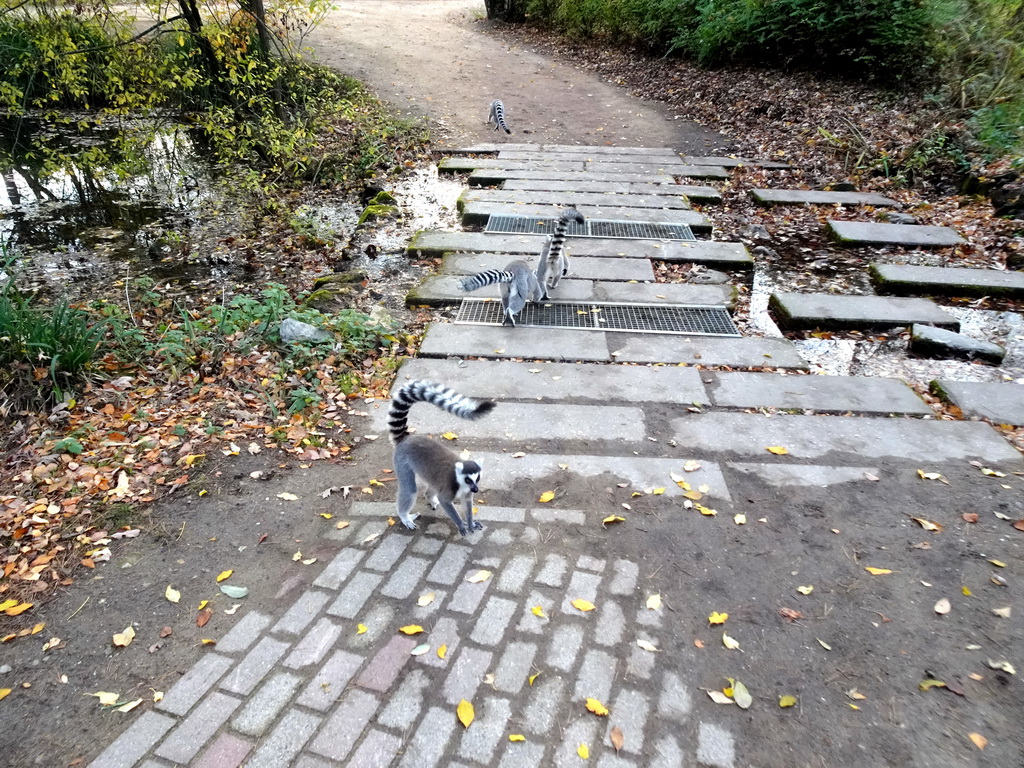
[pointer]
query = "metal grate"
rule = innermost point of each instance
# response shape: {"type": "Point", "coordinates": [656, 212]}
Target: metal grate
{"type": "Point", "coordinates": [679, 319]}
{"type": "Point", "coordinates": [511, 224]}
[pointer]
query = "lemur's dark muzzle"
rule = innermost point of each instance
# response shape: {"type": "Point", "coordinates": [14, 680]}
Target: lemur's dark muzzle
{"type": "Point", "coordinates": [472, 485]}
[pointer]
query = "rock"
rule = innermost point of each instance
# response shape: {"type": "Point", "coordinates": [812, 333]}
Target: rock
{"type": "Point", "coordinates": [383, 198]}
{"type": "Point", "coordinates": [1015, 260]}
{"type": "Point", "coordinates": [295, 330]}
{"type": "Point", "coordinates": [895, 217]}
{"type": "Point", "coordinates": [373, 212]}
{"type": "Point", "coordinates": [756, 232]}
{"type": "Point", "coordinates": [339, 278]}
{"type": "Point", "coordinates": [765, 252]}
{"type": "Point", "coordinates": [703, 276]}
{"type": "Point", "coordinates": [1008, 200]}
{"type": "Point", "coordinates": [5, 669]}
{"type": "Point", "coordinates": [842, 186]}
{"type": "Point", "coordinates": [929, 341]}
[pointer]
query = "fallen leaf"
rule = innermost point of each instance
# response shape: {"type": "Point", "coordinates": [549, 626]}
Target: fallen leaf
{"type": "Point", "coordinates": [343, 524]}
{"type": "Point", "coordinates": [979, 741]}
{"type": "Point", "coordinates": [465, 713]}
{"type": "Point", "coordinates": [706, 510]}
{"type": "Point", "coordinates": [533, 677]}
{"type": "Point", "coordinates": [740, 519]}
{"type": "Point", "coordinates": [538, 610]}
{"type": "Point", "coordinates": [18, 609]}
{"type": "Point", "coordinates": [595, 706]}
{"type": "Point", "coordinates": [924, 685]}
{"type": "Point", "coordinates": [124, 639]}
{"type": "Point", "coordinates": [720, 698]}
{"type": "Point", "coordinates": [203, 617]}
{"type": "Point", "coordinates": [479, 576]}
{"type": "Point", "coordinates": [288, 496]}
{"type": "Point", "coordinates": [235, 593]}
{"type": "Point", "coordinates": [1003, 613]}
{"type": "Point", "coordinates": [516, 737]}
{"type": "Point", "coordinates": [790, 614]}
{"type": "Point", "coordinates": [976, 676]}
{"type": "Point", "coordinates": [411, 629]}
{"type": "Point", "coordinates": [425, 599]}
{"type": "Point", "coordinates": [583, 751]}
{"type": "Point", "coordinates": [970, 517]}
{"type": "Point", "coordinates": [658, 491]}
{"type": "Point", "coordinates": [943, 606]}
{"type": "Point", "coordinates": [582, 605]}
{"type": "Point", "coordinates": [966, 591]}
{"type": "Point", "coordinates": [691, 466]}
{"type": "Point", "coordinates": [360, 629]}
{"type": "Point", "coordinates": [615, 736]}
{"type": "Point", "coordinates": [546, 497]}
{"type": "Point", "coordinates": [129, 706]}
{"type": "Point", "coordinates": [730, 642]}
{"type": "Point", "coordinates": [202, 604]}
{"type": "Point", "coordinates": [787, 701]}
{"type": "Point", "coordinates": [928, 525]}
{"type": "Point", "coordinates": [449, 435]}
{"type": "Point", "coordinates": [1005, 666]}
{"type": "Point", "coordinates": [166, 632]}
{"type": "Point", "coordinates": [224, 575]}
{"type": "Point", "coordinates": [998, 563]}
{"type": "Point", "coordinates": [1019, 525]}
{"type": "Point", "coordinates": [823, 644]}
{"type": "Point", "coordinates": [172, 594]}
{"type": "Point", "coordinates": [778, 450]}
{"type": "Point", "coordinates": [717, 618]}
{"type": "Point", "coordinates": [805, 590]}
{"type": "Point", "coordinates": [929, 475]}
{"type": "Point", "coordinates": [107, 698]}
{"type": "Point", "coordinates": [698, 643]}
{"type": "Point", "coordinates": [647, 645]}
{"type": "Point", "coordinates": [419, 650]}
{"type": "Point", "coordinates": [741, 695]}
{"type": "Point", "coordinates": [992, 472]}
{"type": "Point", "coordinates": [654, 602]}
{"type": "Point", "coordinates": [876, 571]}
{"type": "Point", "coordinates": [613, 519]}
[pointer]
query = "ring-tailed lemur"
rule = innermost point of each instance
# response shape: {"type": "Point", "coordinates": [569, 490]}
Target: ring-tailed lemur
{"type": "Point", "coordinates": [448, 480]}
{"type": "Point", "coordinates": [497, 116]}
{"type": "Point", "coordinates": [554, 261]}
{"type": "Point", "coordinates": [518, 286]}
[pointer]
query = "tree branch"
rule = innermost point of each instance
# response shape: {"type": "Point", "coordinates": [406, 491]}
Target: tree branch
{"type": "Point", "coordinates": [120, 43]}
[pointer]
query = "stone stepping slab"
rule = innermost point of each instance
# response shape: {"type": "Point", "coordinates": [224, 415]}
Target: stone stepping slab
{"type": "Point", "coordinates": [804, 475]}
{"type": "Point", "coordinates": [732, 162]}
{"type": "Point", "coordinates": [999, 402]}
{"type": "Point", "coordinates": [586, 382]}
{"type": "Point", "coordinates": [854, 233]}
{"type": "Point", "coordinates": [599, 187]}
{"type": "Point", "coordinates": [583, 267]}
{"type": "Point", "coordinates": [928, 341]}
{"type": "Point", "coordinates": [946, 281]}
{"type": "Point", "coordinates": [487, 177]}
{"type": "Point", "coordinates": [673, 168]}
{"type": "Point", "coordinates": [438, 290]}
{"type": "Point", "coordinates": [820, 393]}
{"type": "Point", "coordinates": [822, 311]}
{"type": "Point", "coordinates": [583, 155]}
{"type": "Point", "coordinates": [828, 438]}
{"type": "Point", "coordinates": [818, 197]}
{"type": "Point", "coordinates": [712, 253]}
{"type": "Point", "coordinates": [677, 196]}
{"type": "Point", "coordinates": [464, 164]}
{"type": "Point", "coordinates": [596, 150]}
{"type": "Point", "coordinates": [494, 342]}
{"type": "Point", "coordinates": [478, 213]}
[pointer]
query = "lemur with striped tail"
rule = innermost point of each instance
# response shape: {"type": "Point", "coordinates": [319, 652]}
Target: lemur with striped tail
{"type": "Point", "coordinates": [554, 262]}
{"type": "Point", "coordinates": [518, 286]}
{"type": "Point", "coordinates": [447, 480]}
{"type": "Point", "coordinates": [497, 116]}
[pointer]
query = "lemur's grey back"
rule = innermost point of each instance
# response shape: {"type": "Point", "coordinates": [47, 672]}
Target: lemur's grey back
{"type": "Point", "coordinates": [497, 115]}
{"type": "Point", "coordinates": [429, 392]}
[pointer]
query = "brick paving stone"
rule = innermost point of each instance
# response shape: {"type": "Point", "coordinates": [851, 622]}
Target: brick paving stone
{"type": "Point", "coordinates": [667, 753]}
{"type": "Point", "coordinates": [329, 683]}
{"type": "Point", "coordinates": [343, 729]}
{"type": "Point", "coordinates": [674, 703]}
{"type": "Point", "coordinates": [445, 632]}
{"type": "Point", "coordinates": [194, 683]}
{"type": "Point", "coordinates": [420, 613]}
{"type": "Point", "coordinates": [306, 761]}
{"type": "Point", "coordinates": [250, 670]}
{"type": "Point", "coordinates": [262, 709]}
{"type": "Point", "coordinates": [188, 738]}
{"type": "Point", "coordinates": [611, 760]}
{"type": "Point", "coordinates": [566, 641]}
{"type": "Point", "coordinates": [388, 552]}
{"type": "Point", "coordinates": [467, 596]}
{"type": "Point", "coordinates": [480, 741]}
{"type": "Point", "coordinates": [529, 536]}
{"type": "Point", "coordinates": [301, 613]}
{"type": "Point", "coordinates": [582, 731]}
{"type": "Point", "coordinates": [450, 564]}
{"type": "Point", "coordinates": [546, 698]}
{"type": "Point", "coordinates": [383, 669]}
{"type": "Point", "coordinates": [640, 663]}
{"type": "Point", "coordinates": [715, 746]}
{"type": "Point", "coordinates": [522, 755]}
{"type": "Point", "coordinates": [466, 675]}
{"type": "Point", "coordinates": [595, 676]}
{"type": "Point", "coordinates": [490, 627]}
{"type": "Point", "coordinates": [489, 563]}
{"type": "Point", "coordinates": [244, 633]}
{"type": "Point", "coordinates": [645, 617]}
{"type": "Point", "coordinates": [405, 578]}
{"type": "Point", "coordinates": [290, 584]}
{"type": "Point", "coordinates": [611, 623]}
{"type": "Point", "coordinates": [531, 622]}
{"type": "Point", "coordinates": [515, 573]}
{"type": "Point", "coordinates": [565, 516]}
{"type": "Point", "coordinates": [154, 764]}
{"type": "Point", "coordinates": [378, 750]}
{"type": "Point", "coordinates": [128, 748]}
{"type": "Point", "coordinates": [588, 563]}
{"type": "Point", "coordinates": [624, 580]}
{"type": "Point", "coordinates": [500, 514]}
{"type": "Point", "coordinates": [228, 751]}
{"type": "Point", "coordinates": [501, 537]}
{"type": "Point", "coordinates": [427, 546]}
{"type": "Point", "coordinates": [339, 569]}
{"type": "Point", "coordinates": [553, 572]}
{"type": "Point", "coordinates": [440, 530]}
{"type": "Point", "coordinates": [285, 741]}
{"type": "Point", "coordinates": [583, 586]}
{"type": "Point", "coordinates": [405, 703]}
{"type": "Point", "coordinates": [355, 595]}
{"type": "Point", "coordinates": [514, 666]}
{"type": "Point", "coordinates": [428, 744]}
{"type": "Point", "coordinates": [629, 711]}
{"type": "Point", "coordinates": [377, 620]}
{"type": "Point", "coordinates": [314, 645]}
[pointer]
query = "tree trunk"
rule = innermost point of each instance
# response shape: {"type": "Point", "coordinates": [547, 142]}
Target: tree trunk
{"type": "Point", "coordinates": [506, 10]}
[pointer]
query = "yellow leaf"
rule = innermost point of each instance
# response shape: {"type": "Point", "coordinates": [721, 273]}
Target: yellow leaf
{"type": "Point", "coordinates": [288, 496]}
{"type": "Point", "coordinates": [778, 450]}
{"type": "Point", "coordinates": [740, 519]}
{"type": "Point", "coordinates": [658, 491]}
{"type": "Point", "coordinates": [172, 594]}
{"type": "Point", "coordinates": [449, 435]}
{"type": "Point", "coordinates": [805, 590]}
{"type": "Point", "coordinates": [158, 696]}
{"type": "Point", "coordinates": [823, 644]}
{"type": "Point", "coordinates": [533, 677]}
{"type": "Point", "coordinates": [979, 741]}
{"type": "Point", "coordinates": [613, 519]}
{"type": "Point", "coordinates": [343, 524]}
{"type": "Point", "coordinates": [998, 563]}
{"type": "Point", "coordinates": [924, 685]}
{"type": "Point", "coordinates": [124, 639]}
{"type": "Point", "coordinates": [693, 495]}
{"type": "Point", "coordinates": [18, 609]}
{"type": "Point", "coordinates": [730, 642]}
{"type": "Point", "coordinates": [928, 525]}
{"type": "Point", "coordinates": [442, 651]}
{"type": "Point", "coordinates": [208, 641]}
{"type": "Point", "coordinates": [741, 695]}
{"type": "Point", "coordinates": [4, 693]}
{"type": "Point", "coordinates": [583, 751]}
{"type": "Point", "coordinates": [465, 713]}
{"type": "Point", "coordinates": [706, 510]}
{"type": "Point", "coordinates": [516, 737]}
{"type": "Point", "coordinates": [129, 706]}
{"type": "Point", "coordinates": [647, 645]}
{"type": "Point", "coordinates": [582, 605]}
{"type": "Point", "coordinates": [479, 576]}
{"type": "Point", "coordinates": [107, 698]}
{"type": "Point", "coordinates": [654, 602]}
{"type": "Point", "coordinates": [360, 629]}
{"type": "Point", "coordinates": [411, 629]}
{"type": "Point", "coordinates": [538, 610]}
{"type": "Point", "coordinates": [326, 515]}
{"type": "Point", "coordinates": [853, 706]}
{"type": "Point", "coordinates": [929, 475]}
{"type": "Point", "coordinates": [202, 604]}
{"type": "Point", "coordinates": [691, 466]}
{"type": "Point", "coordinates": [717, 618]}
{"type": "Point", "coordinates": [8, 604]}
{"type": "Point", "coordinates": [425, 599]}
{"type": "Point", "coordinates": [223, 575]}
{"type": "Point", "coordinates": [546, 497]}
{"type": "Point", "coordinates": [966, 591]}
{"type": "Point", "coordinates": [787, 701]}
{"type": "Point", "coordinates": [597, 707]}
{"type": "Point", "coordinates": [876, 571]}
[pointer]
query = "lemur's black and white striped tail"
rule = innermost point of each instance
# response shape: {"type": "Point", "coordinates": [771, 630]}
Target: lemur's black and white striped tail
{"type": "Point", "coordinates": [485, 278]}
{"type": "Point", "coordinates": [429, 392]}
{"type": "Point", "coordinates": [498, 116]}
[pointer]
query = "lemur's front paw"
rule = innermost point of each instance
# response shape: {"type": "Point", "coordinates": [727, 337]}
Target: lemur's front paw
{"type": "Point", "coordinates": [477, 526]}
{"type": "Point", "coordinates": [463, 532]}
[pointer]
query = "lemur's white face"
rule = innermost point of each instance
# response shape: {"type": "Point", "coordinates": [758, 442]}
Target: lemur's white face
{"type": "Point", "coordinates": [468, 476]}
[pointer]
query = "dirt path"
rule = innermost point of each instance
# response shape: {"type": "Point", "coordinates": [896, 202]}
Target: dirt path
{"type": "Point", "coordinates": [436, 58]}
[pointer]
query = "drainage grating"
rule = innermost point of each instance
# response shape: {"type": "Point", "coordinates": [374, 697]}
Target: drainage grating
{"type": "Point", "coordinates": [680, 319]}
{"type": "Point", "coordinates": [511, 224]}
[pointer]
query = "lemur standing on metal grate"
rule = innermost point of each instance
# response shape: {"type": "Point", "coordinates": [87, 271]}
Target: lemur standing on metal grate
{"type": "Point", "coordinates": [554, 262]}
{"type": "Point", "coordinates": [497, 116]}
{"type": "Point", "coordinates": [518, 286]}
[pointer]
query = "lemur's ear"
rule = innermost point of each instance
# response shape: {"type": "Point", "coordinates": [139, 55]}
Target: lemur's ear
{"type": "Point", "coordinates": [458, 467]}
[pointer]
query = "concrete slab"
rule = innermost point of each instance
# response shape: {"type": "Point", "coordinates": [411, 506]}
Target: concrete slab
{"type": "Point", "coordinates": [809, 311]}
{"type": "Point", "coordinates": [477, 214]}
{"type": "Point", "coordinates": [712, 253]}
{"type": "Point", "coordinates": [819, 393]}
{"type": "Point", "coordinates": [674, 168]}
{"type": "Point", "coordinates": [999, 402]}
{"type": "Point", "coordinates": [732, 162]}
{"type": "Point", "coordinates": [818, 197]}
{"type": "Point", "coordinates": [485, 147]}
{"type": "Point", "coordinates": [939, 343]}
{"type": "Point", "coordinates": [602, 149]}
{"type": "Point", "coordinates": [584, 154]}
{"type": "Point", "coordinates": [448, 340]}
{"type": "Point", "coordinates": [488, 177]}
{"type": "Point", "coordinates": [912, 235]}
{"type": "Point", "coordinates": [530, 421]}
{"type": "Point", "coordinates": [829, 437]}
{"type": "Point", "coordinates": [464, 164]}
{"type": "Point", "coordinates": [583, 267]}
{"type": "Point", "coordinates": [507, 380]}
{"type": "Point", "coordinates": [532, 197]}
{"type": "Point", "coordinates": [735, 352]}
{"type": "Point", "coordinates": [804, 475]}
{"type": "Point", "coordinates": [907, 280]}
{"type": "Point", "coordinates": [444, 289]}
{"type": "Point", "coordinates": [592, 187]}
{"type": "Point", "coordinates": [501, 472]}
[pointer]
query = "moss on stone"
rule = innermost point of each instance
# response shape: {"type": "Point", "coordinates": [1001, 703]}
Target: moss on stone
{"type": "Point", "coordinates": [383, 198]}
{"type": "Point", "coordinates": [374, 212]}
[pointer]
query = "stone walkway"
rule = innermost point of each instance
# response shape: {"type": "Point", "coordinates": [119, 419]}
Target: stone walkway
{"type": "Point", "coordinates": [333, 681]}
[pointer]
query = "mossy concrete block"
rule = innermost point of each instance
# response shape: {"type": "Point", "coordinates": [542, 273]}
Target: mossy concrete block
{"type": "Point", "coordinates": [676, 196]}
{"type": "Point", "coordinates": [477, 213]}
{"type": "Point", "coordinates": [383, 198]}
{"type": "Point", "coordinates": [928, 341]}
{"type": "Point", "coordinates": [374, 212]}
{"type": "Point", "coordinates": [854, 233]}
{"type": "Point", "coordinates": [907, 280]}
{"type": "Point", "coordinates": [835, 394]}
{"type": "Point", "coordinates": [464, 164]}
{"type": "Point", "coordinates": [999, 402]}
{"type": "Point", "coordinates": [492, 177]}
{"type": "Point", "coordinates": [826, 312]}
{"type": "Point", "coordinates": [818, 197]}
{"type": "Point", "coordinates": [339, 278]}
{"type": "Point", "coordinates": [581, 267]}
